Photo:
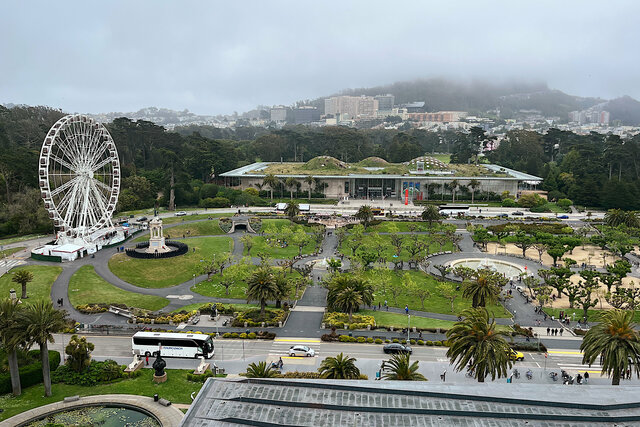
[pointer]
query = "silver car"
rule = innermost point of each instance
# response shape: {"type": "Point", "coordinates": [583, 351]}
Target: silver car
{"type": "Point", "coordinates": [301, 350]}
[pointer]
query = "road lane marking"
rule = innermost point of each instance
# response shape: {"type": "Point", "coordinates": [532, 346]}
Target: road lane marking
{"type": "Point", "coordinates": [564, 352]}
{"type": "Point", "coordinates": [315, 340]}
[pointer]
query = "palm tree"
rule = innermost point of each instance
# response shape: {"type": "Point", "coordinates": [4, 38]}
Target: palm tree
{"type": "Point", "coordinates": [430, 213]}
{"type": "Point", "coordinates": [261, 286]}
{"type": "Point", "coordinates": [348, 300]}
{"type": "Point", "coordinates": [453, 185]}
{"type": "Point", "coordinates": [12, 336]}
{"type": "Point", "coordinates": [480, 289]}
{"type": "Point", "coordinates": [292, 210]}
{"type": "Point", "coordinates": [340, 367]}
{"type": "Point", "coordinates": [365, 215]}
{"type": "Point", "coordinates": [309, 180]}
{"type": "Point", "coordinates": [616, 217]}
{"type": "Point", "coordinates": [291, 183]}
{"type": "Point", "coordinates": [283, 287]}
{"type": "Point", "coordinates": [42, 321]}
{"type": "Point", "coordinates": [271, 181]}
{"type": "Point", "coordinates": [473, 184]}
{"type": "Point", "coordinates": [22, 277]}
{"type": "Point", "coordinates": [401, 369]}
{"type": "Point", "coordinates": [260, 370]}
{"type": "Point", "coordinates": [615, 341]}
{"type": "Point", "coordinates": [476, 343]}
{"type": "Point", "coordinates": [342, 282]}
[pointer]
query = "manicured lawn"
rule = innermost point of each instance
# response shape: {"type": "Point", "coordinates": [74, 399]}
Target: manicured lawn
{"type": "Point", "coordinates": [260, 245]}
{"type": "Point", "coordinates": [444, 158]}
{"type": "Point", "coordinates": [383, 241]}
{"type": "Point", "coordinates": [203, 228]}
{"type": "Point", "coordinates": [39, 288]}
{"type": "Point", "coordinates": [161, 273]}
{"type": "Point", "coordinates": [87, 287]}
{"type": "Point", "coordinates": [396, 320]}
{"type": "Point", "coordinates": [279, 223]}
{"type": "Point", "coordinates": [436, 303]}
{"type": "Point", "coordinates": [190, 217]}
{"type": "Point", "coordinates": [176, 389]}
{"type": "Point", "coordinates": [8, 252]}
{"type": "Point", "coordinates": [213, 288]}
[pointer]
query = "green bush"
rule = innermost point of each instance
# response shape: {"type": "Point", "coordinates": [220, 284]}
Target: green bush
{"type": "Point", "coordinates": [243, 336]}
{"type": "Point", "coordinates": [226, 335]}
{"type": "Point", "coordinates": [378, 341]}
{"type": "Point", "coordinates": [199, 378]}
{"type": "Point", "coordinates": [353, 339]}
{"type": "Point", "coordinates": [395, 340]}
{"type": "Point", "coordinates": [344, 338]}
{"type": "Point", "coordinates": [429, 343]}
{"type": "Point", "coordinates": [361, 339]}
{"type": "Point", "coordinates": [403, 341]}
{"type": "Point", "coordinates": [30, 374]}
{"type": "Point", "coordinates": [251, 336]}
{"type": "Point", "coordinates": [509, 203]}
{"type": "Point", "coordinates": [96, 373]}
{"type": "Point", "coordinates": [412, 342]}
{"type": "Point", "coordinates": [370, 340]}
{"type": "Point", "coordinates": [387, 341]}
{"type": "Point", "coordinates": [438, 343]}
{"type": "Point", "coordinates": [420, 342]}
{"type": "Point", "coordinates": [234, 335]}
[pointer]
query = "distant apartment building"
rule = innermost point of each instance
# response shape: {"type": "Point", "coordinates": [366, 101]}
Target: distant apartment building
{"type": "Point", "coordinates": [305, 114]}
{"type": "Point", "coordinates": [440, 116]}
{"type": "Point", "coordinates": [596, 116]}
{"type": "Point", "coordinates": [279, 114]}
{"type": "Point", "coordinates": [385, 102]}
{"type": "Point", "coordinates": [414, 107]}
{"type": "Point", "coordinates": [351, 106]}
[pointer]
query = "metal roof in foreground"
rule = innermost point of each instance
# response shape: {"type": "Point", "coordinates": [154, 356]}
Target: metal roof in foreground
{"type": "Point", "coordinates": [280, 402]}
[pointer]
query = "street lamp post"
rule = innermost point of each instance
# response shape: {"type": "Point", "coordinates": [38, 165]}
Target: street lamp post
{"type": "Point", "coordinates": [194, 279]}
{"type": "Point", "coordinates": [408, 326]}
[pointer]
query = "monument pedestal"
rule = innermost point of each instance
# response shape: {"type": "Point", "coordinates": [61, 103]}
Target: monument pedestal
{"type": "Point", "coordinates": [160, 379]}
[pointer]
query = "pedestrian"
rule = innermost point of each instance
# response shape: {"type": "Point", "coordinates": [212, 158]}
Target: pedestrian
{"type": "Point", "coordinates": [561, 331]}
{"type": "Point", "coordinates": [406, 309]}
{"type": "Point", "coordinates": [628, 373]}
{"type": "Point", "coordinates": [555, 331]}
{"type": "Point", "coordinates": [586, 377]}
{"type": "Point", "coordinates": [420, 335]}
{"type": "Point", "coordinates": [443, 375]}
{"type": "Point", "coordinates": [147, 358]}
{"type": "Point", "coordinates": [61, 302]}
{"type": "Point", "coordinates": [378, 305]}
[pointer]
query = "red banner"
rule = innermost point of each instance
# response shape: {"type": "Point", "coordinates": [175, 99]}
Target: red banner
{"type": "Point", "coordinates": [406, 196]}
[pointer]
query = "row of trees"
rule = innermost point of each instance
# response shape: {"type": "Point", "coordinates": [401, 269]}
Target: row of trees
{"type": "Point", "coordinates": [22, 326]}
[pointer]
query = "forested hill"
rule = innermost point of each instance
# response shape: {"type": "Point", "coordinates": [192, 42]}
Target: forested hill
{"type": "Point", "coordinates": [480, 97]}
{"type": "Point", "coordinates": [593, 170]}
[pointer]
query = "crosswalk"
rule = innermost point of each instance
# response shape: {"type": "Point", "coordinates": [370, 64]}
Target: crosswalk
{"type": "Point", "coordinates": [9, 263]}
{"type": "Point", "coordinates": [571, 361]}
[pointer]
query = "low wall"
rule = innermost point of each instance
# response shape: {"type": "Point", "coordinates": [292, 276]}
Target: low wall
{"type": "Point", "coordinates": [49, 258]}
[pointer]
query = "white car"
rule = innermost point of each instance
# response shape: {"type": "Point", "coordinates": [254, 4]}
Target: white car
{"type": "Point", "coordinates": [181, 213]}
{"type": "Point", "coordinates": [301, 350]}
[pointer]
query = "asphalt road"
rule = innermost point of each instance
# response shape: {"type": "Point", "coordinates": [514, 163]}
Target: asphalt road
{"type": "Point", "coordinates": [235, 355]}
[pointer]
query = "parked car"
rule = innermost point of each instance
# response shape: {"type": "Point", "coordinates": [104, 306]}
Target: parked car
{"type": "Point", "coordinates": [142, 219]}
{"type": "Point", "coordinates": [397, 348]}
{"type": "Point", "coordinates": [517, 213]}
{"type": "Point", "coordinates": [181, 213]}
{"type": "Point", "coordinates": [503, 215]}
{"type": "Point", "coordinates": [563, 216]}
{"type": "Point", "coordinates": [515, 355]}
{"type": "Point", "coordinates": [301, 350]}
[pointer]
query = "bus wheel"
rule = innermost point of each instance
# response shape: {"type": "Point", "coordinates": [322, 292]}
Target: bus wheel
{"type": "Point", "coordinates": [147, 354]}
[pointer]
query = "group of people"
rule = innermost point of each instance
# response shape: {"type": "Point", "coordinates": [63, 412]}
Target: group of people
{"type": "Point", "coordinates": [554, 331]}
{"type": "Point", "coordinates": [277, 365]}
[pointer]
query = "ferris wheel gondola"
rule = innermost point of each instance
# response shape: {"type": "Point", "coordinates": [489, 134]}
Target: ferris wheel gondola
{"type": "Point", "coordinates": [79, 176]}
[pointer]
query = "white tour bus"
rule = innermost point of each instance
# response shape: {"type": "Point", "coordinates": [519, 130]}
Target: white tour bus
{"type": "Point", "coordinates": [172, 344]}
{"type": "Point", "coordinates": [453, 209]}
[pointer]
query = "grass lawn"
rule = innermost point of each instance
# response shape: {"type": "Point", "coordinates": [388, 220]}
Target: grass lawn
{"type": "Point", "coordinates": [203, 228]}
{"type": "Point", "coordinates": [260, 245]}
{"type": "Point", "coordinates": [383, 242]}
{"type": "Point", "coordinates": [86, 287]}
{"type": "Point", "coordinates": [176, 219]}
{"type": "Point", "coordinates": [161, 273]}
{"type": "Point", "coordinates": [213, 288]}
{"type": "Point", "coordinates": [279, 223]}
{"type": "Point", "coordinates": [20, 238]}
{"type": "Point", "coordinates": [444, 158]}
{"type": "Point", "coordinates": [176, 389]}
{"type": "Point", "coordinates": [39, 288]}
{"type": "Point", "coordinates": [396, 320]}
{"type": "Point", "coordinates": [434, 304]}
{"type": "Point", "coordinates": [8, 252]}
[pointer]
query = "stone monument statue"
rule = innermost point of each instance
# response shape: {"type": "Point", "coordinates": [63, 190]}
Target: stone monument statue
{"type": "Point", "coordinates": [135, 364]}
{"type": "Point", "coordinates": [156, 238]}
{"type": "Point", "coordinates": [159, 364]}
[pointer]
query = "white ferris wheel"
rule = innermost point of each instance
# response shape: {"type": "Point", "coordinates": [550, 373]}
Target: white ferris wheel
{"type": "Point", "coordinates": [79, 175]}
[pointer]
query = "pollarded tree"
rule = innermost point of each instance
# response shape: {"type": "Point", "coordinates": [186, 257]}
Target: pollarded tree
{"type": "Point", "coordinates": [22, 277]}
{"type": "Point", "coordinates": [340, 367]}
{"type": "Point", "coordinates": [261, 286]}
{"type": "Point", "coordinates": [614, 342]}
{"type": "Point", "coordinates": [444, 270]}
{"type": "Point", "coordinates": [247, 242]}
{"type": "Point", "coordinates": [448, 291]}
{"type": "Point", "coordinates": [79, 352]}
{"type": "Point", "coordinates": [41, 321]}
{"type": "Point", "coordinates": [260, 370]}
{"type": "Point", "coordinates": [476, 343]}
{"type": "Point", "coordinates": [401, 369]}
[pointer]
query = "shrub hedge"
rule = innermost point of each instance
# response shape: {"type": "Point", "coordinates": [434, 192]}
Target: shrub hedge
{"type": "Point", "coordinates": [97, 373]}
{"type": "Point", "coordinates": [30, 374]}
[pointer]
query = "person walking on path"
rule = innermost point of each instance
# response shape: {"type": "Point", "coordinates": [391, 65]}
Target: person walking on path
{"type": "Point", "coordinates": [561, 331]}
{"type": "Point", "coordinates": [406, 309]}
{"type": "Point", "coordinates": [586, 377]}
{"type": "Point", "coordinates": [548, 331]}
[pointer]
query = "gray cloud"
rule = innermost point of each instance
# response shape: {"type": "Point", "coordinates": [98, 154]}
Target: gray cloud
{"type": "Point", "coordinates": [217, 57]}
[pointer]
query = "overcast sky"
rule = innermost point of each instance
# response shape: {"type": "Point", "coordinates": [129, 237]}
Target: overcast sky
{"type": "Point", "coordinates": [222, 56]}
